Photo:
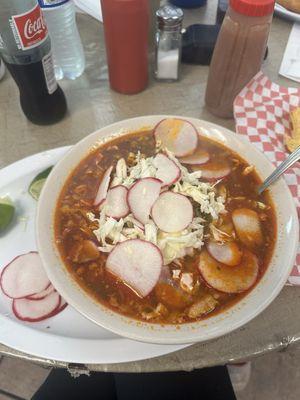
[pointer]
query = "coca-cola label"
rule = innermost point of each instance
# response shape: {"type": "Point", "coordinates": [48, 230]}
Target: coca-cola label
{"type": "Point", "coordinates": [29, 29]}
{"type": "Point", "coordinates": [52, 3]}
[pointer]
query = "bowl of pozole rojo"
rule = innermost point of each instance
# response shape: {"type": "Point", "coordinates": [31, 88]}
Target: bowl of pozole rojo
{"type": "Point", "coordinates": [152, 227]}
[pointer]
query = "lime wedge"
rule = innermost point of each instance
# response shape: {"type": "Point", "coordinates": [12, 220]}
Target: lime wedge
{"type": "Point", "coordinates": [7, 210]}
{"type": "Point", "coordinates": [38, 182]}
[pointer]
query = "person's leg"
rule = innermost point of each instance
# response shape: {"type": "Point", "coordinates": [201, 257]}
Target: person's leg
{"type": "Point", "coordinates": [61, 386]}
{"type": "Point", "coordinates": [205, 384]}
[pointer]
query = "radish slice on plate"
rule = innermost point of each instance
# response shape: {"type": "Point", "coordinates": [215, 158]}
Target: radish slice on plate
{"type": "Point", "coordinates": [199, 157]}
{"type": "Point", "coordinates": [103, 187]}
{"type": "Point", "coordinates": [177, 135]}
{"type": "Point", "coordinates": [247, 226]}
{"type": "Point", "coordinates": [167, 171]}
{"type": "Point", "coordinates": [24, 276]}
{"type": "Point", "coordinates": [43, 294]}
{"type": "Point", "coordinates": [137, 263]}
{"type": "Point", "coordinates": [215, 170]}
{"type": "Point", "coordinates": [141, 197]}
{"type": "Point", "coordinates": [172, 212]}
{"type": "Point", "coordinates": [62, 306]}
{"type": "Point", "coordinates": [227, 253]}
{"type": "Point", "coordinates": [116, 205]}
{"type": "Point", "coordinates": [36, 310]}
{"type": "Point", "coordinates": [229, 279]}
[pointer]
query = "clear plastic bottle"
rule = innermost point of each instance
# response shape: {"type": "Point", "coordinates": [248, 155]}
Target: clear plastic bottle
{"type": "Point", "coordinates": [238, 54]}
{"type": "Point", "coordinates": [69, 59]}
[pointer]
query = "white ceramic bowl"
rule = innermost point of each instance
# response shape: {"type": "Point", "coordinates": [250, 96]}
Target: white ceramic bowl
{"type": "Point", "coordinates": [245, 310]}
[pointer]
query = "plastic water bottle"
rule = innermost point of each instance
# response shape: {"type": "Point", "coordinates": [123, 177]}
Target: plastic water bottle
{"type": "Point", "coordinates": [69, 59]}
{"type": "Point", "coordinates": [2, 69]}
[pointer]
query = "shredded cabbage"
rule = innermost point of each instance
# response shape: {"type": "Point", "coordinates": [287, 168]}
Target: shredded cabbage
{"type": "Point", "coordinates": [173, 246]}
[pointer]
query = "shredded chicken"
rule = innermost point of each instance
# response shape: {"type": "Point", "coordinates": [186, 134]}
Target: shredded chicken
{"type": "Point", "coordinates": [159, 311]}
{"type": "Point", "coordinates": [219, 235]}
{"type": "Point", "coordinates": [187, 282]}
{"type": "Point", "coordinates": [203, 306]}
{"type": "Point", "coordinates": [248, 170]}
{"type": "Point", "coordinates": [176, 274]}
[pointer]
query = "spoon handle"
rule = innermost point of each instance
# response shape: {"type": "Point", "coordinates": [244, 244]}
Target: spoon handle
{"type": "Point", "coordinates": [291, 159]}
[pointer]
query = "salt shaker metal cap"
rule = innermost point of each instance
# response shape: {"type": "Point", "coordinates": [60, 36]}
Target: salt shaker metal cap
{"type": "Point", "coordinates": [169, 17]}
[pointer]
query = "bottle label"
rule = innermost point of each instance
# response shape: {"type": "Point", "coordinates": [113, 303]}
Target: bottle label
{"type": "Point", "coordinates": [48, 67]}
{"type": "Point", "coordinates": [52, 3]}
{"type": "Point", "coordinates": [29, 29]}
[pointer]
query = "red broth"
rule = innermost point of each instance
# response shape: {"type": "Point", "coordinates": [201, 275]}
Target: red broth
{"type": "Point", "coordinates": [167, 303]}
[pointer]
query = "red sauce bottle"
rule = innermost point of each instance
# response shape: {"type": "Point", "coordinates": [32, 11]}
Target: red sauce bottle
{"type": "Point", "coordinates": [126, 29]}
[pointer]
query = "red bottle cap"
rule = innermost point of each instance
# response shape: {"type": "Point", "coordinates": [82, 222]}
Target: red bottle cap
{"type": "Point", "coordinates": [253, 8]}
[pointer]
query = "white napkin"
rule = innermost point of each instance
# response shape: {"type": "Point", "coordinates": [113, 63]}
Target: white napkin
{"type": "Point", "coordinates": [91, 7]}
{"type": "Point", "coordinates": [290, 67]}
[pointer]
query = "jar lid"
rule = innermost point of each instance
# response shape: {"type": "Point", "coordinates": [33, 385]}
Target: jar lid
{"type": "Point", "coordinates": [169, 15]}
{"type": "Point", "coordinates": [253, 8]}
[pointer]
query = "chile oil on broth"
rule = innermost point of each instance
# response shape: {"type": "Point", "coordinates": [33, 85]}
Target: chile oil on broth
{"type": "Point", "coordinates": [72, 226]}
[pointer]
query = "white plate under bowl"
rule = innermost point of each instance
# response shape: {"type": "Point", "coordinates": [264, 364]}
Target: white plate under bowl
{"type": "Point", "coordinates": [68, 337]}
{"type": "Point", "coordinates": [253, 304]}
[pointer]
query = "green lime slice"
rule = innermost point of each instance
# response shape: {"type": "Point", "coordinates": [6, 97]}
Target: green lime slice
{"type": "Point", "coordinates": [38, 182]}
{"type": "Point", "coordinates": [7, 210]}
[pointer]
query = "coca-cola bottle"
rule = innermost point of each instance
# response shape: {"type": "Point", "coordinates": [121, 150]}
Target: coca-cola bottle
{"type": "Point", "coordinates": [25, 48]}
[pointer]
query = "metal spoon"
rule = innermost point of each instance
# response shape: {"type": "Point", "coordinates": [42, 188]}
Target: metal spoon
{"type": "Point", "coordinates": [291, 160]}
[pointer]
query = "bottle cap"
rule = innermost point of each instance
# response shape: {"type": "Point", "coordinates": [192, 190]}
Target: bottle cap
{"type": "Point", "coordinates": [253, 8]}
{"type": "Point", "coordinates": [169, 16]}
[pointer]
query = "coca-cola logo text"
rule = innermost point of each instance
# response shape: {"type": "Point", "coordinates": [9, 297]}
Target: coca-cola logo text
{"type": "Point", "coordinates": [34, 28]}
{"type": "Point", "coordinates": [29, 28]}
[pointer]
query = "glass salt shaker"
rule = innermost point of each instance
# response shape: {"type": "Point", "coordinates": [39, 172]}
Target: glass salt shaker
{"type": "Point", "coordinates": [168, 43]}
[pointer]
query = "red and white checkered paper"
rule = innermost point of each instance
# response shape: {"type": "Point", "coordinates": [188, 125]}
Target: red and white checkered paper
{"type": "Point", "coordinates": [261, 112]}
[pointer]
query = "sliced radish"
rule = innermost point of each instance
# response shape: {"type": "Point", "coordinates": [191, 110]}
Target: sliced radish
{"type": "Point", "coordinates": [137, 263]}
{"type": "Point", "coordinates": [199, 157]}
{"type": "Point", "coordinates": [172, 212]}
{"type": "Point", "coordinates": [215, 170]}
{"type": "Point", "coordinates": [24, 276]}
{"type": "Point", "coordinates": [63, 304]}
{"type": "Point", "coordinates": [43, 294]}
{"type": "Point", "coordinates": [247, 226]}
{"type": "Point", "coordinates": [116, 205]}
{"type": "Point", "coordinates": [229, 279]}
{"type": "Point", "coordinates": [141, 197]}
{"type": "Point", "coordinates": [164, 189]}
{"type": "Point", "coordinates": [103, 187]}
{"type": "Point", "coordinates": [36, 310]}
{"type": "Point", "coordinates": [167, 171]}
{"type": "Point", "coordinates": [177, 135]}
{"type": "Point", "coordinates": [227, 253]}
